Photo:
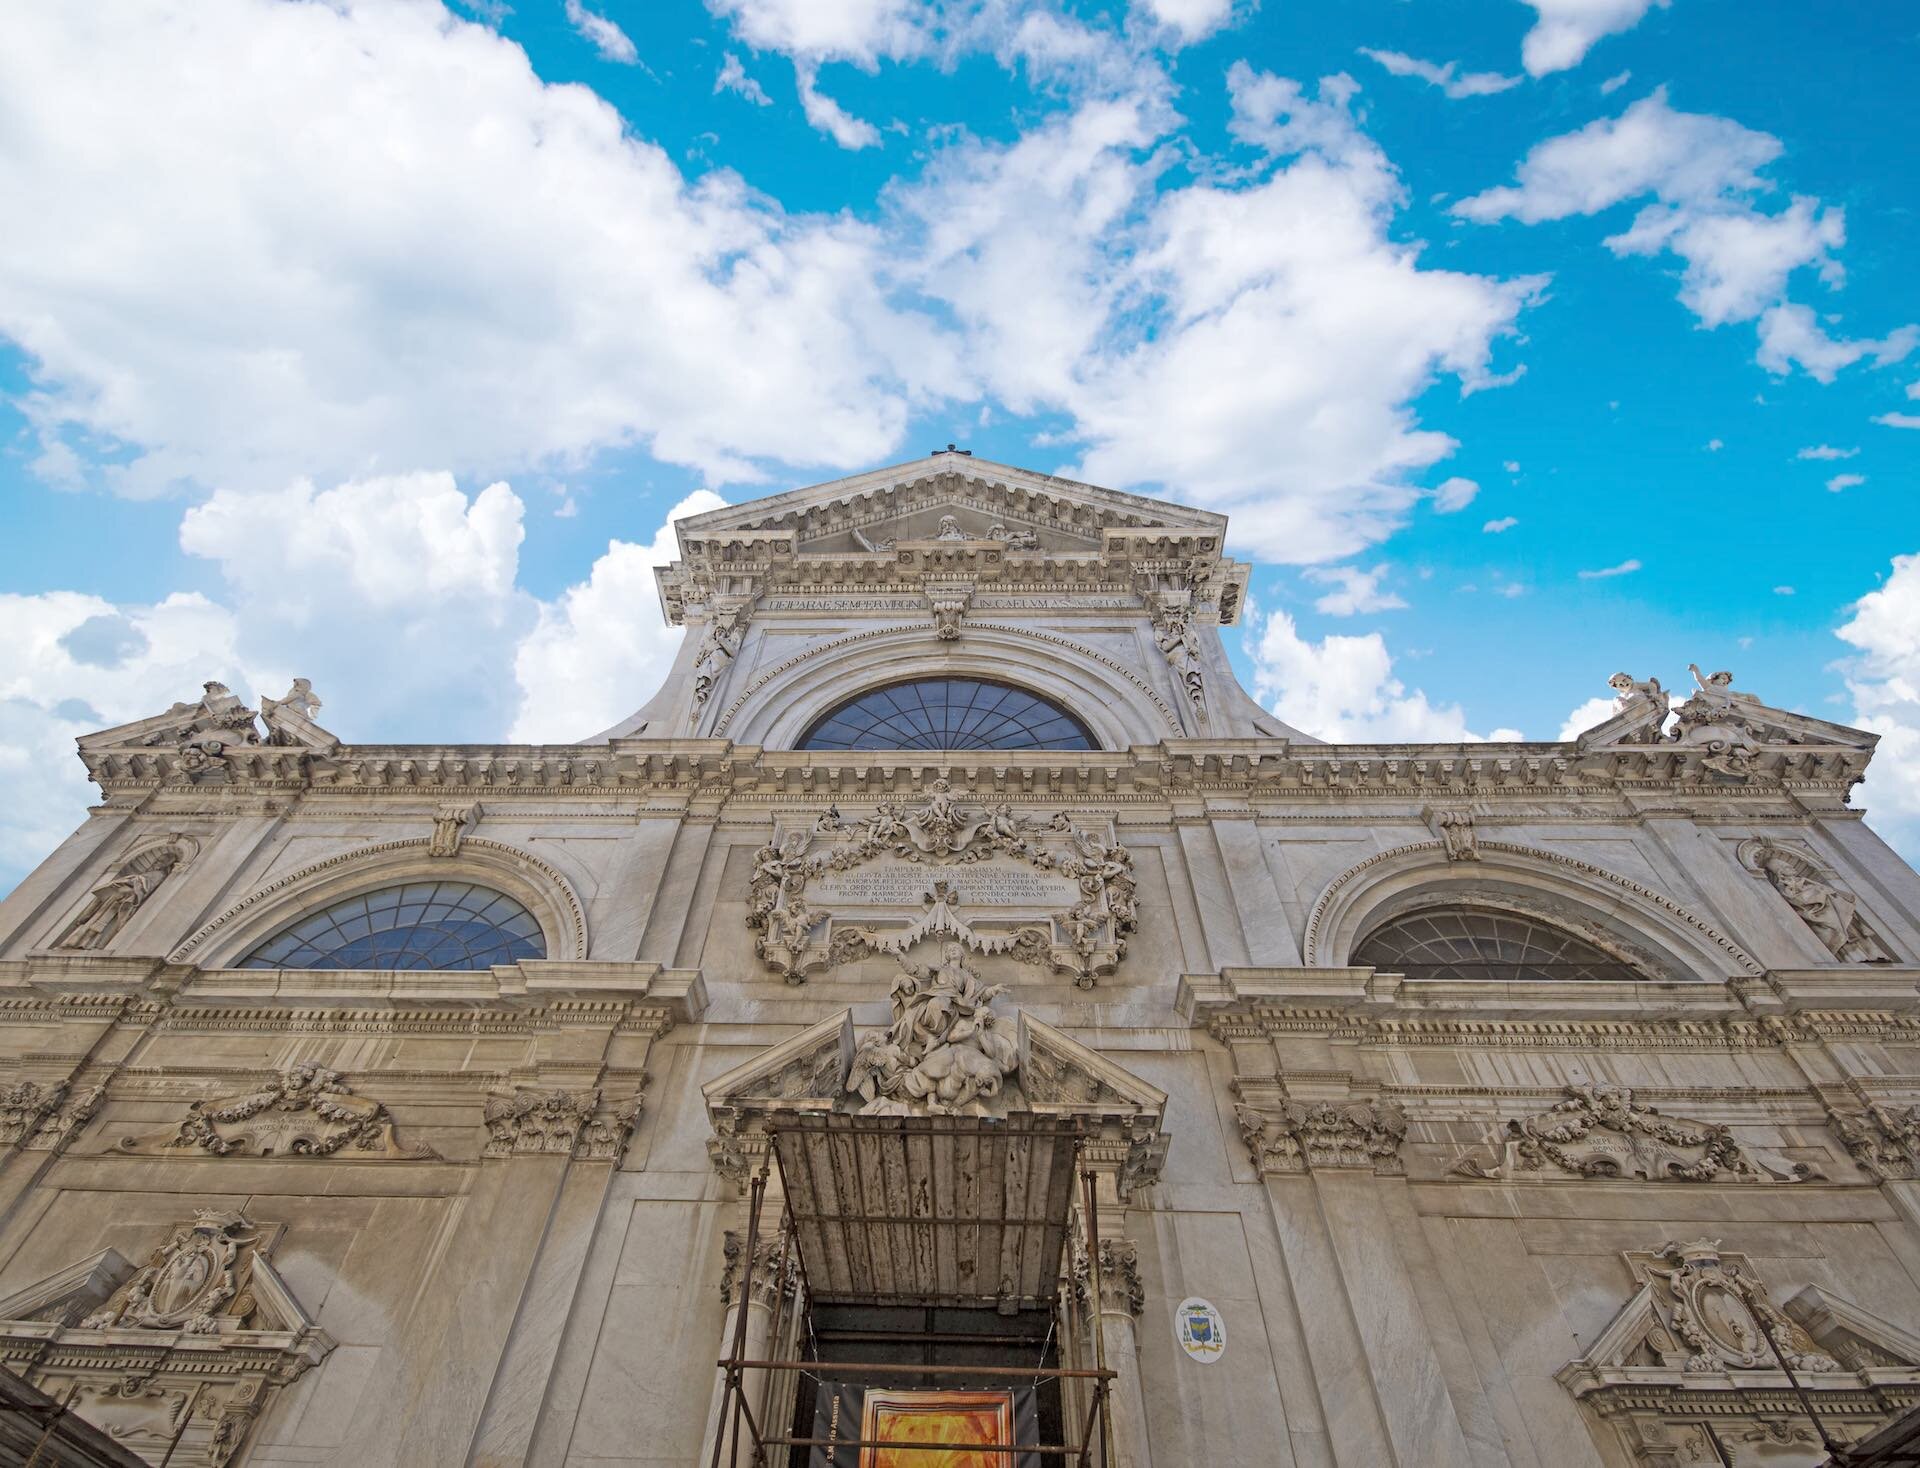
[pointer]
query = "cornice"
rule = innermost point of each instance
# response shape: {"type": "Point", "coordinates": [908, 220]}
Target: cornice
{"type": "Point", "coordinates": [1250, 769]}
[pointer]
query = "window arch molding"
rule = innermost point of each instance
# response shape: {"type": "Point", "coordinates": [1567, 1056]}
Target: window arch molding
{"type": "Point", "coordinates": [782, 703]}
{"type": "Point", "coordinates": [1648, 929]}
{"type": "Point", "coordinates": [533, 883]}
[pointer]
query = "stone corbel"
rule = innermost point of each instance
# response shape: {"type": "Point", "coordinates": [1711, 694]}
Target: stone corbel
{"type": "Point", "coordinates": [947, 601]}
{"type": "Point", "coordinates": [451, 823]}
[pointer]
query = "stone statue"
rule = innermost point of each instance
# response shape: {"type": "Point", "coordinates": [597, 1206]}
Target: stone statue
{"type": "Point", "coordinates": [943, 1054]}
{"type": "Point", "coordinates": [1831, 913]}
{"type": "Point", "coordinates": [950, 529]}
{"type": "Point", "coordinates": [726, 630]}
{"type": "Point", "coordinates": [1645, 701]}
{"type": "Point", "coordinates": [115, 900]}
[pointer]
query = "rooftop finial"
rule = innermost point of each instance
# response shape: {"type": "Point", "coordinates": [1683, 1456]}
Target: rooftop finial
{"type": "Point", "coordinates": [952, 449]}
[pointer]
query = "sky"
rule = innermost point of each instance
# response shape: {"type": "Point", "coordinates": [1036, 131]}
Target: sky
{"type": "Point", "coordinates": [1523, 341]}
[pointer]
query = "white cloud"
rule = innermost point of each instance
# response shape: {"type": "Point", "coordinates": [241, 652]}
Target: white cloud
{"type": "Point", "coordinates": [1511, 466]}
{"type": "Point", "coordinates": [1884, 681]}
{"type": "Point", "coordinates": [1565, 30]}
{"type": "Point", "coordinates": [1192, 19]}
{"type": "Point", "coordinates": [289, 303]}
{"type": "Point", "coordinates": [397, 595]}
{"type": "Point", "coordinates": [1898, 420]}
{"type": "Point", "coordinates": [1343, 689]}
{"type": "Point", "coordinates": [1355, 591]}
{"type": "Point", "coordinates": [1511, 589]}
{"type": "Point", "coordinates": [1704, 175]}
{"type": "Point", "coordinates": [388, 544]}
{"type": "Point", "coordinates": [1500, 526]}
{"type": "Point", "coordinates": [608, 39]}
{"type": "Point", "coordinates": [828, 116]}
{"type": "Point", "coordinates": [1625, 568]}
{"type": "Point", "coordinates": [1826, 451]}
{"type": "Point", "coordinates": [1789, 334]}
{"type": "Point", "coordinates": [1783, 591]}
{"type": "Point", "coordinates": [1291, 331]}
{"type": "Point", "coordinates": [1454, 494]}
{"type": "Point", "coordinates": [599, 651]}
{"type": "Point", "coordinates": [1455, 85]}
{"type": "Point", "coordinates": [733, 78]}
{"type": "Point", "coordinates": [1844, 481]}
{"type": "Point", "coordinates": [71, 664]}
{"type": "Point", "coordinates": [864, 32]}
{"type": "Point", "coordinates": [1615, 82]}
{"type": "Point", "coordinates": [1586, 716]}
{"type": "Point", "coordinates": [1714, 445]}
{"type": "Point", "coordinates": [1913, 389]}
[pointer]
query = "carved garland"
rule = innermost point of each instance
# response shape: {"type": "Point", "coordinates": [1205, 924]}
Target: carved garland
{"type": "Point", "coordinates": [1087, 939]}
{"type": "Point", "coordinates": [1316, 920]}
{"type": "Point", "coordinates": [1080, 649]}
{"type": "Point", "coordinates": [557, 886]}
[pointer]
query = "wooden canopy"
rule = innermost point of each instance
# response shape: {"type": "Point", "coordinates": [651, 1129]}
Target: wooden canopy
{"type": "Point", "coordinates": [929, 1210]}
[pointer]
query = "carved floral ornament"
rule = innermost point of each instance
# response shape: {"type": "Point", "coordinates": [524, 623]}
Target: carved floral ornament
{"type": "Point", "coordinates": [1689, 1371]}
{"type": "Point", "coordinates": [43, 1118]}
{"type": "Point", "coordinates": [1600, 1131]}
{"type": "Point", "coordinates": [176, 1358]}
{"type": "Point", "coordinates": [305, 1111]}
{"type": "Point", "coordinates": [930, 860]}
{"type": "Point", "coordinates": [1296, 1136]}
{"type": "Point", "coordinates": [1883, 1140]}
{"type": "Point", "coordinates": [532, 1122]}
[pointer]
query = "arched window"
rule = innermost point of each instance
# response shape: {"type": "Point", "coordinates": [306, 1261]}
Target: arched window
{"type": "Point", "coordinates": [948, 713]}
{"type": "Point", "coordinates": [431, 925]}
{"type": "Point", "coordinates": [1461, 942]}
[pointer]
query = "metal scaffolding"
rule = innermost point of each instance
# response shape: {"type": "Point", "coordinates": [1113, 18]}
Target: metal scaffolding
{"type": "Point", "coordinates": [888, 1228]}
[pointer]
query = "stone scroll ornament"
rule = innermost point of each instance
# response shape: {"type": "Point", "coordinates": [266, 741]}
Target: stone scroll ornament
{"type": "Point", "coordinates": [1600, 1131]}
{"type": "Point", "coordinates": [948, 838]}
{"type": "Point", "coordinates": [1830, 912]}
{"type": "Point", "coordinates": [944, 1054]}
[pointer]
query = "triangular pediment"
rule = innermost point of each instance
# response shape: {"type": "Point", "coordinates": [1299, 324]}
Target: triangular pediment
{"type": "Point", "coordinates": [908, 502]}
{"type": "Point", "coordinates": [809, 1071]}
{"type": "Point", "coordinates": [1697, 1309]}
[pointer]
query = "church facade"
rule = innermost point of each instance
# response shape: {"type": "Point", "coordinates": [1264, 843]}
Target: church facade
{"type": "Point", "coordinates": [951, 1006]}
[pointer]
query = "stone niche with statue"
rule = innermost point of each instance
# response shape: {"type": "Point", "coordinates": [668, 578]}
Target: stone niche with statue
{"type": "Point", "coordinates": [1051, 894]}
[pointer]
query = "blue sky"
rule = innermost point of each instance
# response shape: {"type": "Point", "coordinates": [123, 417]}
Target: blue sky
{"type": "Point", "coordinates": [1523, 342]}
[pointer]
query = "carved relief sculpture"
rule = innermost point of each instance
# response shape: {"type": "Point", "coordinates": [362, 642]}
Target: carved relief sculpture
{"type": "Point", "coordinates": [944, 1053]}
{"type": "Point", "coordinates": [1301, 1136]}
{"type": "Point", "coordinates": [1689, 1369]}
{"type": "Point", "coordinates": [1173, 630]}
{"type": "Point", "coordinates": [1455, 829]}
{"type": "Point", "coordinates": [1601, 1131]}
{"type": "Point", "coordinates": [1884, 1140]}
{"type": "Point", "coordinates": [1085, 935]}
{"type": "Point", "coordinates": [719, 644]}
{"type": "Point", "coordinates": [121, 895]}
{"type": "Point", "coordinates": [189, 1283]}
{"type": "Point", "coordinates": [526, 1122]}
{"type": "Point", "coordinates": [308, 1111]}
{"type": "Point", "coordinates": [1828, 910]}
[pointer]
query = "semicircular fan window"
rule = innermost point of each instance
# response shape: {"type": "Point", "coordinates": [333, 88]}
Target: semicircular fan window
{"type": "Point", "coordinates": [1460, 942]}
{"type": "Point", "coordinates": [419, 925]}
{"type": "Point", "coordinates": [948, 713]}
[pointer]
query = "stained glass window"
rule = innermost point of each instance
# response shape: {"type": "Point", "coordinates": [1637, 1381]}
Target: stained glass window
{"type": "Point", "coordinates": [1484, 943]}
{"type": "Point", "coordinates": [433, 925]}
{"type": "Point", "coordinates": [948, 713]}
